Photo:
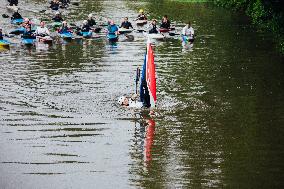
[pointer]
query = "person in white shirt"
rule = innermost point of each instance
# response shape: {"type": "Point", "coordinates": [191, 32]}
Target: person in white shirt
{"type": "Point", "coordinates": [42, 30]}
{"type": "Point", "coordinates": [188, 33]}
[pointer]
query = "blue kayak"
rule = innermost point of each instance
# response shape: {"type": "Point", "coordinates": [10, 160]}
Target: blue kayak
{"type": "Point", "coordinates": [4, 43]}
{"type": "Point", "coordinates": [28, 41]}
{"type": "Point", "coordinates": [86, 34]}
{"type": "Point", "coordinates": [66, 35]}
{"type": "Point", "coordinates": [18, 31]}
{"type": "Point", "coordinates": [17, 21]}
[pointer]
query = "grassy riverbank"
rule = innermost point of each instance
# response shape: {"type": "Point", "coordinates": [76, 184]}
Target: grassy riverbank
{"type": "Point", "coordinates": [266, 14]}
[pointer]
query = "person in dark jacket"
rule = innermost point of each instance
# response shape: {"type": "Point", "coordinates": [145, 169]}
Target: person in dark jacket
{"type": "Point", "coordinates": [91, 20]}
{"type": "Point", "coordinates": [16, 15]}
{"type": "Point", "coordinates": [165, 23]}
{"type": "Point", "coordinates": [126, 24]}
{"type": "Point", "coordinates": [54, 5]}
{"type": "Point", "coordinates": [57, 17]}
{"type": "Point", "coordinates": [153, 27]}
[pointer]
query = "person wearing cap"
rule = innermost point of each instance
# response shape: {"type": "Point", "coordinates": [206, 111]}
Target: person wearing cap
{"type": "Point", "coordinates": [91, 20]}
{"type": "Point", "coordinates": [188, 33]}
{"type": "Point", "coordinates": [16, 15]}
{"type": "Point", "coordinates": [54, 5]}
{"type": "Point", "coordinates": [64, 28]}
{"type": "Point", "coordinates": [153, 27]}
{"type": "Point", "coordinates": [42, 30]}
{"type": "Point", "coordinates": [165, 23]}
{"type": "Point", "coordinates": [130, 101]}
{"type": "Point", "coordinates": [141, 15]}
{"type": "Point", "coordinates": [112, 28]}
{"type": "Point", "coordinates": [57, 17]}
{"type": "Point", "coordinates": [126, 24]}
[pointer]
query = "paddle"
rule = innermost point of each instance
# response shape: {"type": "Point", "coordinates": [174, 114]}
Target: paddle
{"type": "Point", "coordinates": [75, 3]}
{"type": "Point", "coordinates": [174, 34]}
{"type": "Point", "coordinates": [5, 16]}
{"type": "Point", "coordinates": [137, 78]}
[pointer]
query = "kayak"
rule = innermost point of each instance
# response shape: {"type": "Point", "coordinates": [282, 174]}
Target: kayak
{"type": "Point", "coordinates": [18, 31]}
{"type": "Point", "coordinates": [28, 41]}
{"type": "Point", "coordinates": [141, 22]}
{"type": "Point", "coordinates": [17, 21]}
{"type": "Point", "coordinates": [12, 8]}
{"type": "Point", "coordinates": [66, 35]}
{"type": "Point", "coordinates": [46, 39]}
{"type": "Point", "coordinates": [4, 43]}
{"type": "Point", "coordinates": [165, 30]}
{"type": "Point", "coordinates": [112, 37]}
{"type": "Point", "coordinates": [124, 30]}
{"type": "Point", "coordinates": [86, 34]}
{"type": "Point", "coordinates": [155, 36]}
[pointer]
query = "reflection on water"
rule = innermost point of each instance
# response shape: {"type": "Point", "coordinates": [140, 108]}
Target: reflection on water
{"type": "Point", "coordinates": [218, 121]}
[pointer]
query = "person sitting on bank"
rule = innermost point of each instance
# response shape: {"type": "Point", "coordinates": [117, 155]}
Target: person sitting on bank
{"type": "Point", "coordinates": [57, 17]}
{"type": "Point", "coordinates": [153, 27]}
{"type": "Point", "coordinates": [91, 20]}
{"type": "Point", "coordinates": [141, 15]}
{"type": "Point", "coordinates": [42, 30]}
{"type": "Point", "coordinates": [126, 24]}
{"type": "Point", "coordinates": [16, 15]}
{"type": "Point", "coordinates": [188, 33]}
{"type": "Point", "coordinates": [165, 23]}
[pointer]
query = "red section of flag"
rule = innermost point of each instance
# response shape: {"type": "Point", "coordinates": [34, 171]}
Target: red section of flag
{"type": "Point", "coordinates": [151, 72]}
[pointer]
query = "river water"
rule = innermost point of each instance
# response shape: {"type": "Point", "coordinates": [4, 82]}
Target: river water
{"type": "Point", "coordinates": [219, 117]}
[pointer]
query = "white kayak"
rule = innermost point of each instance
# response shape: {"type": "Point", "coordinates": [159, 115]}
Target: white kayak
{"type": "Point", "coordinates": [124, 30]}
{"type": "Point", "coordinates": [141, 22]}
{"type": "Point", "coordinates": [12, 8]}
{"type": "Point", "coordinates": [154, 35]}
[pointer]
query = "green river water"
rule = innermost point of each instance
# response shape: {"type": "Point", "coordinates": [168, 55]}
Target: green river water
{"type": "Point", "coordinates": [220, 113]}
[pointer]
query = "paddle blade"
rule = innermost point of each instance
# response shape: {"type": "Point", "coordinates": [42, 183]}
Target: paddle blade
{"type": "Point", "coordinates": [5, 16]}
{"type": "Point", "coordinates": [75, 3]}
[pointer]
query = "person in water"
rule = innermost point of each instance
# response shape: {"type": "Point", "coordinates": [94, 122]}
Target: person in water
{"type": "Point", "coordinates": [188, 33]}
{"type": "Point", "coordinates": [85, 27]}
{"type": "Point", "coordinates": [16, 15]}
{"type": "Point", "coordinates": [54, 5]}
{"type": "Point", "coordinates": [112, 28]}
{"type": "Point", "coordinates": [153, 27]}
{"type": "Point", "coordinates": [126, 24]}
{"type": "Point", "coordinates": [141, 15]}
{"type": "Point", "coordinates": [57, 17]}
{"type": "Point", "coordinates": [13, 2]}
{"type": "Point", "coordinates": [42, 30]}
{"type": "Point", "coordinates": [64, 28]}
{"type": "Point", "coordinates": [91, 20]}
{"type": "Point", "coordinates": [26, 23]}
{"type": "Point", "coordinates": [28, 34]}
{"type": "Point", "coordinates": [165, 23]}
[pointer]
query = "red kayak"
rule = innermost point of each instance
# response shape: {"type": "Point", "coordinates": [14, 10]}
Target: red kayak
{"type": "Point", "coordinates": [165, 30]}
